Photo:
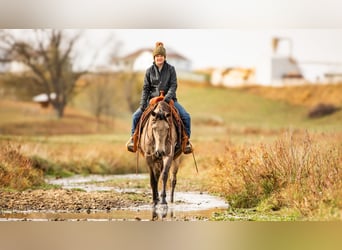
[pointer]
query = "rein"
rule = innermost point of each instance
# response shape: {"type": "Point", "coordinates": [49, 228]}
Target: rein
{"type": "Point", "coordinates": [138, 143]}
{"type": "Point", "coordinates": [193, 156]}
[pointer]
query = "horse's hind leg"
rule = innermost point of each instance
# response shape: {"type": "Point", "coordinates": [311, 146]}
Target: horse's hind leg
{"type": "Point", "coordinates": [163, 193]}
{"type": "Point", "coordinates": [173, 178]}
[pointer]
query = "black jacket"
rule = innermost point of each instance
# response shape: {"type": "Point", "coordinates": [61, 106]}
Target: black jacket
{"type": "Point", "coordinates": [156, 81]}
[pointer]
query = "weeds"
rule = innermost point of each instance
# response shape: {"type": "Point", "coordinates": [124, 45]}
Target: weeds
{"type": "Point", "coordinates": [297, 171]}
{"type": "Point", "coordinates": [71, 156]}
{"type": "Point", "coordinates": [16, 170]}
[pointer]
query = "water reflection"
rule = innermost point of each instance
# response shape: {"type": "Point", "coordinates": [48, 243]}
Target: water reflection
{"type": "Point", "coordinates": [160, 212]}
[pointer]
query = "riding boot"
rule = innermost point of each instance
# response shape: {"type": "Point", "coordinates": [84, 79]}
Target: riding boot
{"type": "Point", "coordinates": [188, 148]}
{"type": "Point", "coordinates": [130, 145]}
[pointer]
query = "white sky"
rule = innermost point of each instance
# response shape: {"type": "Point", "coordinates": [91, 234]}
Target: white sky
{"type": "Point", "coordinates": [212, 33]}
{"type": "Point", "coordinates": [217, 33]}
{"type": "Point", "coordinates": [220, 47]}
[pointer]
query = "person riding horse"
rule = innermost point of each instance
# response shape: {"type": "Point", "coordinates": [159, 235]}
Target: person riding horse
{"type": "Point", "coordinates": [161, 76]}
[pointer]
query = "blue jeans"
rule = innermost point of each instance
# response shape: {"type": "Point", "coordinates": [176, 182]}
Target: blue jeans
{"type": "Point", "coordinates": [185, 116]}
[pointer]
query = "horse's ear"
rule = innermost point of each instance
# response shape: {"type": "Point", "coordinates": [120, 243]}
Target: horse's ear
{"type": "Point", "coordinates": [153, 113]}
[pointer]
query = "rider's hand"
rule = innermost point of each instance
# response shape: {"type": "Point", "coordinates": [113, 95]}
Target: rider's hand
{"type": "Point", "coordinates": [167, 99]}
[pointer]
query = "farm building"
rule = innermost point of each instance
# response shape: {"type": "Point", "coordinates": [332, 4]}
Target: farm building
{"type": "Point", "coordinates": [277, 69]}
{"type": "Point", "coordinates": [43, 99]}
{"type": "Point", "coordinates": [141, 59]}
{"type": "Point", "coordinates": [280, 68]}
{"type": "Point", "coordinates": [232, 77]}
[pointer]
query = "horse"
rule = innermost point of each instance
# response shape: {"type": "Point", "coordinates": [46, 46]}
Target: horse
{"type": "Point", "coordinates": [157, 144]}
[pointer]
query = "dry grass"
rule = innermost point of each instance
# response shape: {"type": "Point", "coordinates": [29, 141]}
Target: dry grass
{"type": "Point", "coordinates": [305, 95]}
{"type": "Point", "coordinates": [66, 155]}
{"type": "Point", "coordinates": [300, 172]}
{"type": "Point", "coordinates": [25, 118]}
{"type": "Point", "coordinates": [16, 170]}
{"type": "Point", "coordinates": [294, 171]}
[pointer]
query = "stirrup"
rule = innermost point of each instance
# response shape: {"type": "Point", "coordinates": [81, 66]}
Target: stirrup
{"type": "Point", "coordinates": [188, 148]}
{"type": "Point", "coordinates": [130, 145]}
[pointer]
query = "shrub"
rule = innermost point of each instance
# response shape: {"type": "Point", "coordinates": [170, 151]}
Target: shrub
{"type": "Point", "coordinates": [16, 170]}
{"type": "Point", "coordinates": [321, 110]}
{"type": "Point", "coordinates": [294, 172]}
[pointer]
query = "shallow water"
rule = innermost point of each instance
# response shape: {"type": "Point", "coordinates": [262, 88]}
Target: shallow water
{"type": "Point", "coordinates": [190, 206]}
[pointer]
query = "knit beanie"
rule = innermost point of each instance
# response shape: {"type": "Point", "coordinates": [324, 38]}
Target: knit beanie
{"type": "Point", "coordinates": [159, 49]}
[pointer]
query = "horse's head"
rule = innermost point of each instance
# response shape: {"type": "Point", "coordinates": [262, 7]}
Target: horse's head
{"type": "Point", "coordinates": [160, 128]}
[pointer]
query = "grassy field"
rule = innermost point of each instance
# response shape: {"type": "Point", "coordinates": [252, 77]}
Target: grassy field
{"type": "Point", "coordinates": [254, 146]}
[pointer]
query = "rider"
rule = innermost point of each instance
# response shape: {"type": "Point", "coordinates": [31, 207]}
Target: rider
{"type": "Point", "coordinates": [161, 76]}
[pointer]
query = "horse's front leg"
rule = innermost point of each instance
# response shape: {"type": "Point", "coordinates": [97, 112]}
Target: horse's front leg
{"type": "Point", "coordinates": [165, 175]}
{"type": "Point", "coordinates": [154, 187]}
{"type": "Point", "coordinates": [155, 170]}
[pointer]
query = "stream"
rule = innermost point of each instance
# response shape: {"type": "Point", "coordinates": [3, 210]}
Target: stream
{"type": "Point", "coordinates": [188, 206]}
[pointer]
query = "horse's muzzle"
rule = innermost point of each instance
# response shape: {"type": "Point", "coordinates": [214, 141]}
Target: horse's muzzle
{"type": "Point", "coordinates": [159, 154]}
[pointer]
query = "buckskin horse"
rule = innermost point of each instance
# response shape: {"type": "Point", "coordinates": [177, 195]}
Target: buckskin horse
{"type": "Point", "coordinates": [157, 143]}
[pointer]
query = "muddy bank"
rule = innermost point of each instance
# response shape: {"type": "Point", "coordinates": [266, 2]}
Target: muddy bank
{"type": "Point", "coordinates": [67, 200]}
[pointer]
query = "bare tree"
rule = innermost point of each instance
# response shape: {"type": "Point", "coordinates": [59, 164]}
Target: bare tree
{"type": "Point", "coordinates": [49, 59]}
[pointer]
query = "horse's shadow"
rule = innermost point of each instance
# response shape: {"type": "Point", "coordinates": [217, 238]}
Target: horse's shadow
{"type": "Point", "coordinates": [161, 212]}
